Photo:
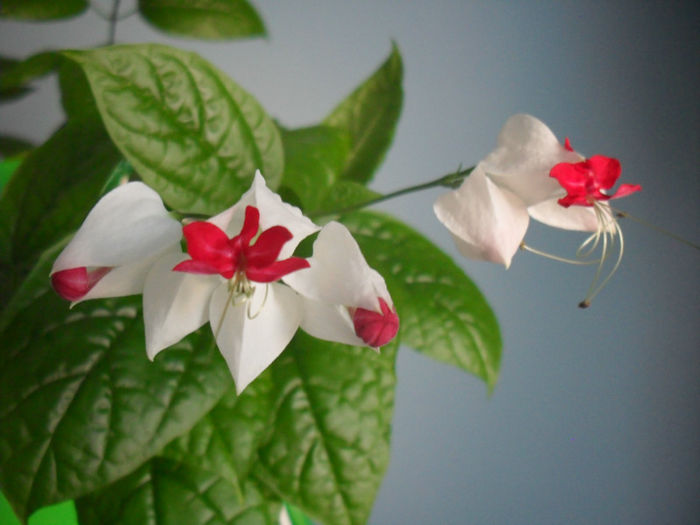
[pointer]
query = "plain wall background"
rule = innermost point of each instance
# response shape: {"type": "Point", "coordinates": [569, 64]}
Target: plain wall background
{"type": "Point", "coordinates": [595, 418]}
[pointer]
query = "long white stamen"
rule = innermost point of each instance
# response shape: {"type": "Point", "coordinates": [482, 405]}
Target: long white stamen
{"type": "Point", "coordinates": [251, 317]}
{"type": "Point", "coordinates": [530, 249]}
{"type": "Point", "coordinates": [604, 238]}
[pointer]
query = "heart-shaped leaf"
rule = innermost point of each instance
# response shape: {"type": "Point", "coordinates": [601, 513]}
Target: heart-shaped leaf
{"type": "Point", "coordinates": [331, 427]}
{"type": "Point", "coordinates": [443, 314]}
{"type": "Point", "coordinates": [81, 405]}
{"type": "Point", "coordinates": [189, 131]}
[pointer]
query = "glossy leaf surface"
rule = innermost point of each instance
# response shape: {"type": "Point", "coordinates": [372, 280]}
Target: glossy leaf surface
{"type": "Point", "coordinates": [189, 131]}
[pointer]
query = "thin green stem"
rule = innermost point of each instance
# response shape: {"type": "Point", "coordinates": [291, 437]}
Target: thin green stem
{"type": "Point", "coordinates": [451, 180]}
{"type": "Point", "coordinates": [113, 19]}
{"type": "Point", "coordinates": [624, 215]}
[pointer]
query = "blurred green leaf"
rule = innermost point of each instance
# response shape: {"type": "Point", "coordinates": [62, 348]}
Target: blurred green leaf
{"type": "Point", "coordinates": [58, 514]}
{"type": "Point", "coordinates": [11, 146]}
{"type": "Point", "coordinates": [42, 9]}
{"type": "Point", "coordinates": [370, 115]}
{"type": "Point", "coordinates": [76, 95]}
{"type": "Point", "coordinates": [329, 446]}
{"type": "Point", "coordinates": [15, 75]}
{"type": "Point", "coordinates": [82, 406]}
{"type": "Point", "coordinates": [215, 19]}
{"type": "Point", "coordinates": [189, 131]}
{"type": "Point", "coordinates": [314, 160]}
{"type": "Point", "coordinates": [442, 313]}
{"type": "Point", "coordinates": [165, 492]}
{"type": "Point", "coordinates": [49, 195]}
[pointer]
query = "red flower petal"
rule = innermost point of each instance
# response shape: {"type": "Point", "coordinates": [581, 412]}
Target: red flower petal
{"type": "Point", "coordinates": [375, 328]}
{"type": "Point", "coordinates": [573, 177]}
{"type": "Point", "coordinates": [250, 225]}
{"type": "Point", "coordinates": [567, 145]}
{"type": "Point", "coordinates": [626, 189]}
{"type": "Point", "coordinates": [275, 271]}
{"type": "Point", "coordinates": [201, 267]}
{"type": "Point", "coordinates": [208, 244]}
{"type": "Point", "coordinates": [606, 171]}
{"type": "Point", "coordinates": [268, 246]}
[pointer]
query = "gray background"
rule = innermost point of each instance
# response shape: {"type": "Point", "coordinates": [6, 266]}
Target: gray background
{"type": "Point", "coordinates": [595, 418]}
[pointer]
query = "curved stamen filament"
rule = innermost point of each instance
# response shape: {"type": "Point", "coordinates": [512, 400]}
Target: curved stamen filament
{"type": "Point", "coordinates": [253, 316]}
{"type": "Point", "coordinates": [605, 239]}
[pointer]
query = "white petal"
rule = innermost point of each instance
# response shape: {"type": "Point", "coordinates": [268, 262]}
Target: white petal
{"type": "Point", "coordinates": [174, 303]}
{"type": "Point", "coordinates": [329, 322]}
{"type": "Point", "coordinates": [487, 222]}
{"type": "Point", "coordinates": [252, 334]}
{"type": "Point", "coordinates": [339, 273]}
{"type": "Point", "coordinates": [128, 224]}
{"type": "Point", "coordinates": [527, 151]}
{"type": "Point", "coordinates": [273, 212]}
{"type": "Point", "coordinates": [579, 218]}
{"type": "Point", "coordinates": [125, 280]}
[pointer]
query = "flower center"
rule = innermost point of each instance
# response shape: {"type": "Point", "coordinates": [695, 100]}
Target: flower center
{"type": "Point", "coordinates": [239, 258]}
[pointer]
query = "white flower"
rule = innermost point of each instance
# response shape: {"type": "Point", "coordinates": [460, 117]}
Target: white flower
{"type": "Point", "coordinates": [489, 213]}
{"type": "Point", "coordinates": [239, 275]}
{"type": "Point", "coordinates": [109, 256]}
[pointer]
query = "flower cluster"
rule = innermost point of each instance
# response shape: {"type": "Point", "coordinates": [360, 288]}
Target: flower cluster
{"type": "Point", "coordinates": [238, 274]}
{"type": "Point", "coordinates": [531, 174]}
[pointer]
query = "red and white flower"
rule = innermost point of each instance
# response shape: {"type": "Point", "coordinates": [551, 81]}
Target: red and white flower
{"type": "Point", "coordinates": [240, 275]}
{"type": "Point", "coordinates": [489, 213]}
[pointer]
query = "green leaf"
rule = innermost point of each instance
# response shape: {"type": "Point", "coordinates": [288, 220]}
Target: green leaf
{"type": "Point", "coordinates": [7, 168]}
{"type": "Point", "coordinates": [16, 75]}
{"type": "Point", "coordinates": [226, 440]}
{"type": "Point", "coordinates": [216, 19]}
{"type": "Point", "coordinates": [189, 131]}
{"type": "Point", "coordinates": [11, 146]}
{"type": "Point", "coordinates": [76, 95]}
{"type": "Point", "coordinates": [314, 160]}
{"type": "Point", "coordinates": [165, 492]}
{"type": "Point", "coordinates": [442, 313]}
{"type": "Point", "coordinates": [82, 406]}
{"type": "Point", "coordinates": [331, 428]}
{"type": "Point", "coordinates": [49, 195]}
{"type": "Point", "coordinates": [342, 195]}
{"type": "Point", "coordinates": [370, 115]}
{"type": "Point", "coordinates": [42, 9]}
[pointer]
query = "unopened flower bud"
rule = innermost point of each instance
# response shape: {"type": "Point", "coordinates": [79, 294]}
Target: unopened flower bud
{"type": "Point", "coordinates": [74, 283]}
{"type": "Point", "coordinates": [376, 328]}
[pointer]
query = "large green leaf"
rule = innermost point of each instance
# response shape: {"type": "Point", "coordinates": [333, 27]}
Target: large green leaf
{"type": "Point", "coordinates": [329, 445]}
{"type": "Point", "coordinates": [49, 195]}
{"type": "Point", "coordinates": [314, 160]}
{"type": "Point", "coordinates": [42, 9]}
{"type": "Point", "coordinates": [80, 403]}
{"type": "Point", "coordinates": [442, 313]}
{"type": "Point", "coordinates": [204, 18]}
{"type": "Point", "coordinates": [76, 95]}
{"type": "Point", "coordinates": [370, 115]}
{"type": "Point", "coordinates": [226, 440]}
{"type": "Point", "coordinates": [165, 492]}
{"type": "Point", "coordinates": [191, 133]}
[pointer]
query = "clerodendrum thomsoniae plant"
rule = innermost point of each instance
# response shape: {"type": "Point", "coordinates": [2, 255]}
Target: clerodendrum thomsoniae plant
{"type": "Point", "coordinates": [236, 308]}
